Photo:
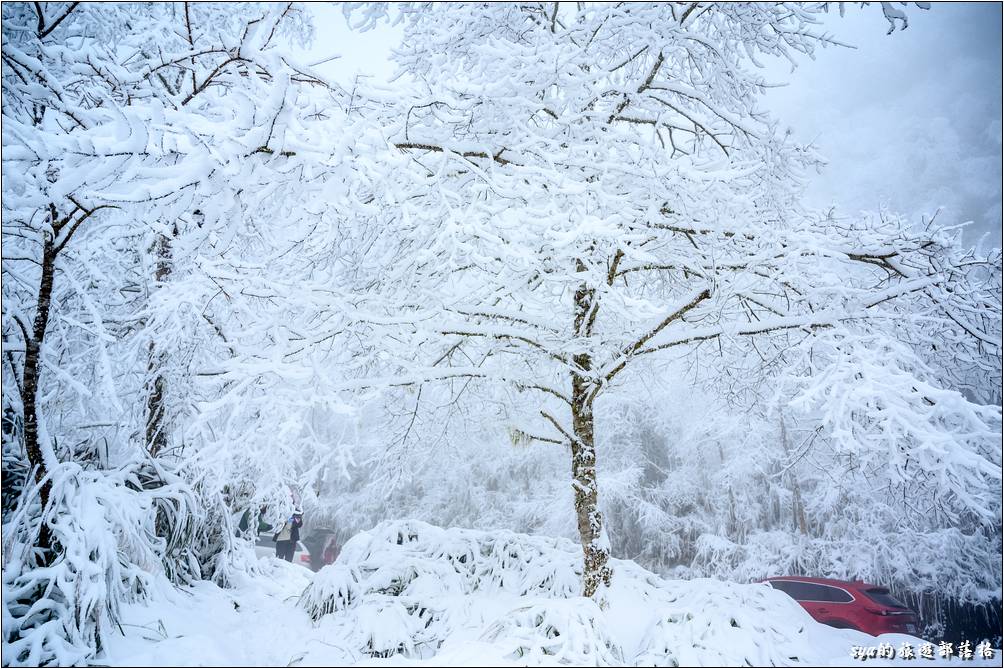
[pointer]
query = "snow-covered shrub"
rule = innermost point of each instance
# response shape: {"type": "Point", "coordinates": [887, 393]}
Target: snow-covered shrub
{"type": "Point", "coordinates": [384, 627]}
{"type": "Point", "coordinates": [113, 532]}
{"type": "Point", "coordinates": [60, 603]}
{"type": "Point", "coordinates": [334, 588]}
{"type": "Point", "coordinates": [530, 565]}
{"type": "Point", "coordinates": [422, 569]}
{"type": "Point", "coordinates": [177, 514]}
{"type": "Point", "coordinates": [706, 622]}
{"type": "Point", "coordinates": [479, 561]}
{"type": "Point", "coordinates": [571, 631]}
{"type": "Point", "coordinates": [409, 588]}
{"type": "Point", "coordinates": [15, 474]}
{"type": "Point", "coordinates": [39, 625]}
{"type": "Point", "coordinates": [194, 525]}
{"type": "Point", "coordinates": [214, 545]}
{"type": "Point", "coordinates": [414, 575]}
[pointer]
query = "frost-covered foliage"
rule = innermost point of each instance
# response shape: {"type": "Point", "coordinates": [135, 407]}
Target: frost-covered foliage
{"type": "Point", "coordinates": [587, 196]}
{"type": "Point", "coordinates": [696, 232]}
{"type": "Point", "coordinates": [109, 544]}
{"type": "Point", "coordinates": [693, 488]}
{"type": "Point", "coordinates": [402, 584]}
{"type": "Point", "coordinates": [648, 620]}
{"type": "Point", "coordinates": [179, 153]}
{"type": "Point", "coordinates": [572, 631]}
{"type": "Point", "coordinates": [140, 144]}
{"type": "Point", "coordinates": [408, 588]}
{"type": "Point", "coordinates": [466, 560]}
{"type": "Point", "coordinates": [708, 624]}
{"type": "Point", "coordinates": [568, 233]}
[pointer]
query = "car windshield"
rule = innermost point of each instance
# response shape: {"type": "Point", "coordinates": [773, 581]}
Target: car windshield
{"type": "Point", "coordinates": [882, 596]}
{"type": "Point", "coordinates": [812, 592]}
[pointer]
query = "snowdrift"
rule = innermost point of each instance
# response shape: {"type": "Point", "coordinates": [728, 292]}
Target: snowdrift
{"type": "Point", "coordinates": [412, 590]}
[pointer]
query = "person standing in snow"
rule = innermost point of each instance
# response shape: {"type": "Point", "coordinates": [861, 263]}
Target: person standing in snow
{"type": "Point", "coordinates": [287, 536]}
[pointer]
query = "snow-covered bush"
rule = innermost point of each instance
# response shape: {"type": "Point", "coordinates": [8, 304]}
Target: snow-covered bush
{"type": "Point", "coordinates": [406, 557]}
{"type": "Point", "coordinates": [571, 631]}
{"type": "Point", "coordinates": [59, 604]}
{"type": "Point", "coordinates": [417, 567]}
{"type": "Point", "coordinates": [717, 620]}
{"type": "Point", "coordinates": [213, 545]}
{"type": "Point", "coordinates": [408, 588]}
{"type": "Point", "coordinates": [386, 627]}
{"type": "Point", "coordinates": [114, 534]}
{"type": "Point", "coordinates": [177, 516]}
{"type": "Point", "coordinates": [334, 588]}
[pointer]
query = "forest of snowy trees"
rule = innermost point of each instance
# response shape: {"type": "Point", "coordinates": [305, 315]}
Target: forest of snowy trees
{"type": "Point", "coordinates": [558, 279]}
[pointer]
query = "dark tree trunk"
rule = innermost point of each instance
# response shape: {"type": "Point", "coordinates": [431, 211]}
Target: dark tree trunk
{"type": "Point", "coordinates": [595, 548]}
{"type": "Point", "coordinates": [155, 437]}
{"type": "Point", "coordinates": [29, 385]}
{"type": "Point", "coordinates": [156, 434]}
{"type": "Point", "coordinates": [61, 229]}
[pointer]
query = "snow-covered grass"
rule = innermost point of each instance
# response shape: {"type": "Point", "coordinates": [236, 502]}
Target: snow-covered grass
{"type": "Point", "coordinates": [410, 593]}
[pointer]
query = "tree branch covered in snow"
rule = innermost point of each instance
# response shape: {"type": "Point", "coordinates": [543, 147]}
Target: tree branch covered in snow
{"type": "Point", "coordinates": [568, 234]}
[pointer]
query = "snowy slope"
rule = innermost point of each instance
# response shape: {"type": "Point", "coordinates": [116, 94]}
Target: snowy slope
{"type": "Point", "coordinates": [411, 593]}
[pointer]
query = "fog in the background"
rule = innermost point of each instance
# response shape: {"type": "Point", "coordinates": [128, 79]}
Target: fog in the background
{"type": "Point", "coordinates": [909, 121]}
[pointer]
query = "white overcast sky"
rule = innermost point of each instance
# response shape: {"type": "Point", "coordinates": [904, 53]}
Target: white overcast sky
{"type": "Point", "coordinates": [910, 121]}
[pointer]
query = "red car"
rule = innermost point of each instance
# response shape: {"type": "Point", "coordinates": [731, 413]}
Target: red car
{"type": "Point", "coordinates": [849, 604]}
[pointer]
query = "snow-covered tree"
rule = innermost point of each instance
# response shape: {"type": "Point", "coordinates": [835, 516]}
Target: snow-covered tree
{"type": "Point", "coordinates": [95, 120]}
{"type": "Point", "coordinates": [140, 141]}
{"type": "Point", "coordinates": [221, 271]}
{"type": "Point", "coordinates": [581, 188]}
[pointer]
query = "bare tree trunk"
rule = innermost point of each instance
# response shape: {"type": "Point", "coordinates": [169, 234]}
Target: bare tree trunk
{"type": "Point", "coordinates": [156, 434]}
{"type": "Point", "coordinates": [595, 548]}
{"type": "Point", "coordinates": [29, 385]}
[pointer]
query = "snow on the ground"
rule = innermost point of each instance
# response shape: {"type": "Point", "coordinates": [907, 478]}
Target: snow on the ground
{"type": "Point", "coordinates": [408, 593]}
